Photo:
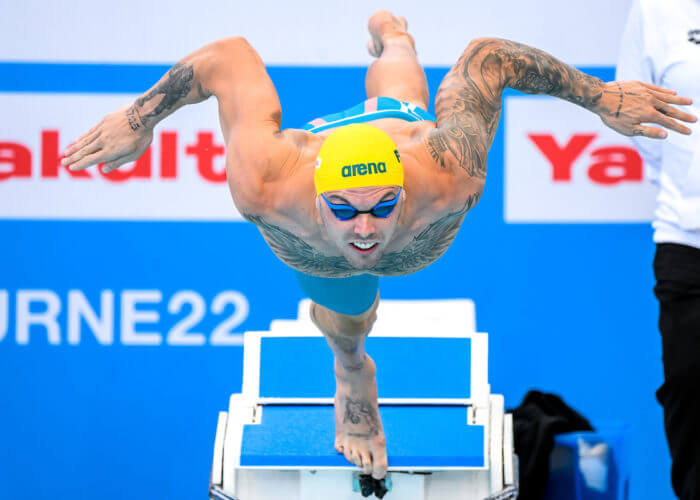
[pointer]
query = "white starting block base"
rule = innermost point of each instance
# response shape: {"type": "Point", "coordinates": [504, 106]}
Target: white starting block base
{"type": "Point", "coordinates": [316, 485]}
{"type": "Point", "coordinates": [447, 436]}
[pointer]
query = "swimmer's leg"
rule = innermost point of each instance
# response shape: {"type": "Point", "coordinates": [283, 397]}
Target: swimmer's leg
{"type": "Point", "coordinates": [359, 434]}
{"type": "Point", "coordinates": [396, 73]}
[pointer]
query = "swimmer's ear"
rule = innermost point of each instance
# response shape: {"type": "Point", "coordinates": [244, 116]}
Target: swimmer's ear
{"type": "Point", "coordinates": [318, 209]}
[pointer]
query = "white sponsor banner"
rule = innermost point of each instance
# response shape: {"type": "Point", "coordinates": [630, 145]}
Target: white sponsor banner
{"type": "Point", "coordinates": [562, 164]}
{"type": "Point", "coordinates": [308, 32]}
{"type": "Point", "coordinates": [181, 177]}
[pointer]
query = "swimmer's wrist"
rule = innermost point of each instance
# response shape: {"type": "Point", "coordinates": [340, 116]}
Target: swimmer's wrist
{"type": "Point", "coordinates": [596, 87]}
{"type": "Point", "coordinates": [610, 99]}
{"type": "Point", "coordinates": [181, 85]}
{"type": "Point", "coordinates": [136, 123]}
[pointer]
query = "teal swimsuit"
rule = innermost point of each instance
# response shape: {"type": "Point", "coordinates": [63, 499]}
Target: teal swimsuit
{"type": "Point", "coordinates": [355, 294]}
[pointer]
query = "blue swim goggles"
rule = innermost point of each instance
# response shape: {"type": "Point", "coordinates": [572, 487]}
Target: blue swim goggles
{"type": "Point", "coordinates": [381, 210]}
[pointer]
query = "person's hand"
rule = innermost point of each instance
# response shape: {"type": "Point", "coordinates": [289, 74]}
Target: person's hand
{"type": "Point", "coordinates": [118, 139]}
{"type": "Point", "coordinates": [625, 106]}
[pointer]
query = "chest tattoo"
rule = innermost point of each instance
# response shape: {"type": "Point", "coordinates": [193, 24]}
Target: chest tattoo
{"type": "Point", "coordinates": [425, 248]}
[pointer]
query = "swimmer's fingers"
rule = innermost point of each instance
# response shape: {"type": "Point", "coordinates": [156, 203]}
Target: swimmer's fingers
{"type": "Point", "coordinates": [671, 98]}
{"type": "Point", "coordinates": [111, 159]}
{"type": "Point", "coordinates": [107, 167]}
{"type": "Point", "coordinates": [658, 89]}
{"type": "Point", "coordinates": [651, 132]}
{"type": "Point", "coordinates": [73, 160]}
{"type": "Point", "coordinates": [83, 141]}
{"type": "Point", "coordinates": [663, 118]}
{"type": "Point", "coordinates": [116, 138]}
{"type": "Point", "coordinates": [74, 150]}
{"type": "Point", "coordinates": [112, 155]}
{"type": "Point", "coordinates": [627, 107]}
{"type": "Point", "coordinates": [89, 156]}
{"type": "Point", "coordinates": [87, 160]}
{"type": "Point", "coordinates": [90, 132]}
{"type": "Point", "coordinates": [676, 113]}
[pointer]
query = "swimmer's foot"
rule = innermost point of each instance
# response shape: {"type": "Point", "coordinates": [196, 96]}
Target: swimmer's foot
{"type": "Point", "coordinates": [358, 428]}
{"type": "Point", "coordinates": [383, 26]}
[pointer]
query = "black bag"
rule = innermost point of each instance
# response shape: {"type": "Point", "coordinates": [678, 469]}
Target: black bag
{"type": "Point", "coordinates": [536, 421]}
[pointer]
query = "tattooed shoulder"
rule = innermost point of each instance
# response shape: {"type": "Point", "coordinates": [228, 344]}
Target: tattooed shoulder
{"type": "Point", "coordinates": [468, 102]}
{"type": "Point", "coordinates": [461, 146]}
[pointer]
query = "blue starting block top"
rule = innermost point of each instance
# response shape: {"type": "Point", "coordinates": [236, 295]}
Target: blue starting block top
{"type": "Point", "coordinates": [417, 437]}
{"type": "Point", "coordinates": [410, 368]}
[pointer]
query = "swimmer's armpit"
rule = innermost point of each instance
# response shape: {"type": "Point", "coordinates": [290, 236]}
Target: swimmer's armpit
{"type": "Point", "coordinates": [468, 102]}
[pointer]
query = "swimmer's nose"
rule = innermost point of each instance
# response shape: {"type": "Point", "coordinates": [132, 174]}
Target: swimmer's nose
{"type": "Point", "coordinates": [364, 226]}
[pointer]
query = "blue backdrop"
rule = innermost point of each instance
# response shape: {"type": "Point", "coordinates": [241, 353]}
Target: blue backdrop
{"type": "Point", "coordinates": [569, 309]}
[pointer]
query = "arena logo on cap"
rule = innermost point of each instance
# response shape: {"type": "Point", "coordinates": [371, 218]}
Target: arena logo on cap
{"type": "Point", "coordinates": [363, 169]}
{"type": "Point", "coordinates": [562, 164]}
{"type": "Point", "coordinates": [181, 176]}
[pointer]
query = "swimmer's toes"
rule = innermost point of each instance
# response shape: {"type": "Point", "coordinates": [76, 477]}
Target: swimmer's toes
{"type": "Point", "coordinates": [379, 462]}
{"type": "Point", "coordinates": [366, 462]}
{"type": "Point", "coordinates": [403, 23]}
{"type": "Point", "coordinates": [378, 469]}
{"type": "Point", "coordinates": [374, 47]}
{"type": "Point", "coordinates": [351, 456]}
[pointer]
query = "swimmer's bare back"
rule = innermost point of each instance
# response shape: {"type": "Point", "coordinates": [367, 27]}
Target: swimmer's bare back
{"type": "Point", "coordinates": [270, 171]}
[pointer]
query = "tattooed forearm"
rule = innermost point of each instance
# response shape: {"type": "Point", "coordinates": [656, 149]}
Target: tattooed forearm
{"type": "Point", "coordinates": [511, 64]}
{"type": "Point", "coordinates": [178, 87]}
{"type": "Point", "coordinates": [468, 102]}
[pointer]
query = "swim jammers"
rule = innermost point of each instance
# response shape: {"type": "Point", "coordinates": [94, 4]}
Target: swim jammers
{"type": "Point", "coordinates": [355, 294]}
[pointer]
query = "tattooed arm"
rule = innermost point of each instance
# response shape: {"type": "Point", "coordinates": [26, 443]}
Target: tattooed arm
{"type": "Point", "coordinates": [468, 102]}
{"type": "Point", "coordinates": [228, 69]}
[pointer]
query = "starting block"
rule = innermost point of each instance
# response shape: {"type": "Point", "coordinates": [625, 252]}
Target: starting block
{"type": "Point", "coordinates": [447, 436]}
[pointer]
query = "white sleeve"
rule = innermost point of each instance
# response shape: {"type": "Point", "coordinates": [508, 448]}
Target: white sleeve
{"type": "Point", "coordinates": [636, 62]}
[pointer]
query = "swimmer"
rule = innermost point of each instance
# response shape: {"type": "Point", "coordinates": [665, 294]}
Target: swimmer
{"type": "Point", "coordinates": [378, 190]}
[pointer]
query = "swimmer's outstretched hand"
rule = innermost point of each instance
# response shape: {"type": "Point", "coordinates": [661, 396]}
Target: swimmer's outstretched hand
{"type": "Point", "coordinates": [119, 138]}
{"type": "Point", "coordinates": [625, 106]}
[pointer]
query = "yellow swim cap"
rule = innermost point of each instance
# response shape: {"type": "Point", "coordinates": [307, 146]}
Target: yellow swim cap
{"type": "Point", "coordinates": [357, 155]}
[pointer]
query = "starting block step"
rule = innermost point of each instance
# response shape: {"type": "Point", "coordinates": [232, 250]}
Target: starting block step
{"type": "Point", "coordinates": [447, 435]}
{"type": "Point", "coordinates": [302, 436]}
{"type": "Point", "coordinates": [301, 368]}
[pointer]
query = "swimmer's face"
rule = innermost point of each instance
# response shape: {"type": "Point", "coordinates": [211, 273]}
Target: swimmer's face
{"type": "Point", "coordinates": [363, 229]}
